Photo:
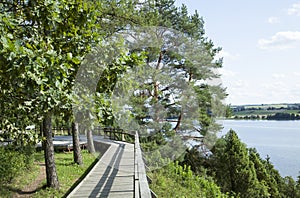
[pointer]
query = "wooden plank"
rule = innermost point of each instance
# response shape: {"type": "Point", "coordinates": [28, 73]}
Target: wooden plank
{"type": "Point", "coordinates": [112, 176]}
{"type": "Point", "coordinates": [119, 172]}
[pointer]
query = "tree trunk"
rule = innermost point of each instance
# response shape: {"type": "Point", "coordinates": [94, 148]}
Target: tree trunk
{"type": "Point", "coordinates": [76, 145]}
{"type": "Point", "coordinates": [42, 135]}
{"type": "Point", "coordinates": [70, 130]}
{"type": "Point", "coordinates": [178, 122]}
{"type": "Point", "coordinates": [90, 142]}
{"type": "Point", "coordinates": [52, 179]}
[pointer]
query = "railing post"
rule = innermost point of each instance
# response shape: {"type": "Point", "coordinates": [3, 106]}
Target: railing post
{"type": "Point", "coordinates": [123, 136]}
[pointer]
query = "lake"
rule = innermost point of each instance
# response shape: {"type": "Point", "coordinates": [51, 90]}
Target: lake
{"type": "Point", "coordinates": [278, 139]}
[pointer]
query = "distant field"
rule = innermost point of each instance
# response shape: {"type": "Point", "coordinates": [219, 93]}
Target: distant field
{"type": "Point", "coordinates": [266, 109]}
{"type": "Point", "coordinates": [264, 112]}
{"type": "Point", "coordinates": [265, 106]}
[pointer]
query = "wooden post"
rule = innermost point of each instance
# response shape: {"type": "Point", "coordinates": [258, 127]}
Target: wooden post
{"type": "Point", "coordinates": [123, 137]}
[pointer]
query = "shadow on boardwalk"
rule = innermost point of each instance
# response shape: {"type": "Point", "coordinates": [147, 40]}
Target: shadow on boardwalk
{"type": "Point", "coordinates": [113, 174]}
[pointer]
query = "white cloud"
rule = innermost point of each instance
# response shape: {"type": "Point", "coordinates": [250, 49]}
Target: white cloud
{"type": "Point", "coordinates": [274, 88]}
{"type": "Point", "coordinates": [295, 9]}
{"type": "Point", "coordinates": [273, 20]}
{"type": "Point", "coordinates": [278, 75]}
{"type": "Point", "coordinates": [296, 88]}
{"type": "Point", "coordinates": [281, 40]}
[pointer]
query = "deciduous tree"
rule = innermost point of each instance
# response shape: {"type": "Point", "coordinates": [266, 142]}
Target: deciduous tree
{"type": "Point", "coordinates": [42, 46]}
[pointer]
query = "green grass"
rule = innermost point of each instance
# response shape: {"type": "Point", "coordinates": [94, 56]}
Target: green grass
{"type": "Point", "coordinates": [68, 174]}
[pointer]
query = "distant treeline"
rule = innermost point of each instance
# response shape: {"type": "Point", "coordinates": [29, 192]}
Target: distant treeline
{"type": "Point", "coordinates": [270, 107]}
{"type": "Point", "coordinates": [283, 116]}
{"type": "Point", "coordinates": [276, 116]}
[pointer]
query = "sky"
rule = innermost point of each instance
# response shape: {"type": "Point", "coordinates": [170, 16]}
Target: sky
{"type": "Point", "coordinates": [260, 41]}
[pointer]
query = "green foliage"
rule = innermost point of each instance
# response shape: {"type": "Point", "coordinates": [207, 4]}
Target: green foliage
{"type": "Point", "coordinates": [242, 173]}
{"type": "Point", "coordinates": [283, 116]}
{"type": "Point", "coordinates": [229, 112]}
{"type": "Point", "coordinates": [174, 65]}
{"type": "Point", "coordinates": [264, 173]}
{"type": "Point", "coordinates": [111, 76]}
{"type": "Point", "coordinates": [235, 172]}
{"type": "Point", "coordinates": [197, 160]}
{"type": "Point", "coordinates": [12, 162]}
{"type": "Point", "coordinates": [43, 45]}
{"type": "Point", "coordinates": [67, 170]}
{"type": "Point", "coordinates": [24, 178]}
{"type": "Point", "coordinates": [290, 188]}
{"type": "Point", "coordinates": [179, 181]}
{"type": "Point", "coordinates": [159, 152]}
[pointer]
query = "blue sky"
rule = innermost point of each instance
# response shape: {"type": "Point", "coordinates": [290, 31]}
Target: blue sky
{"type": "Point", "coordinates": [260, 43]}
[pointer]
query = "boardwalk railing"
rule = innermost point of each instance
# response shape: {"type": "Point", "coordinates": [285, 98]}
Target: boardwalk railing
{"type": "Point", "coordinates": [118, 134]}
{"type": "Point", "coordinates": [141, 187]}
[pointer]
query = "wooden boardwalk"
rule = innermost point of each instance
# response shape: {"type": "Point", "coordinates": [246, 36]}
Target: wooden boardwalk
{"type": "Point", "coordinates": [112, 176]}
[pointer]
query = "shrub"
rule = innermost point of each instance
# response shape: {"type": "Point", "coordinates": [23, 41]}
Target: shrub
{"type": "Point", "coordinates": [179, 181]}
{"type": "Point", "coordinates": [12, 163]}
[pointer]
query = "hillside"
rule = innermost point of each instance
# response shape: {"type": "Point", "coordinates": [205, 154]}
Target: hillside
{"type": "Point", "coordinates": [282, 111]}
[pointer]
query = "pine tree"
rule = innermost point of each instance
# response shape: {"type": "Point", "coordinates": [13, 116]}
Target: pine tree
{"type": "Point", "coordinates": [263, 175]}
{"type": "Point", "coordinates": [196, 64]}
{"type": "Point", "coordinates": [234, 171]}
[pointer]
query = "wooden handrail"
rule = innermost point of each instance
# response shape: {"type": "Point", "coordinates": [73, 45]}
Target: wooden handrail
{"type": "Point", "coordinates": [113, 132]}
{"type": "Point", "coordinates": [140, 178]}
